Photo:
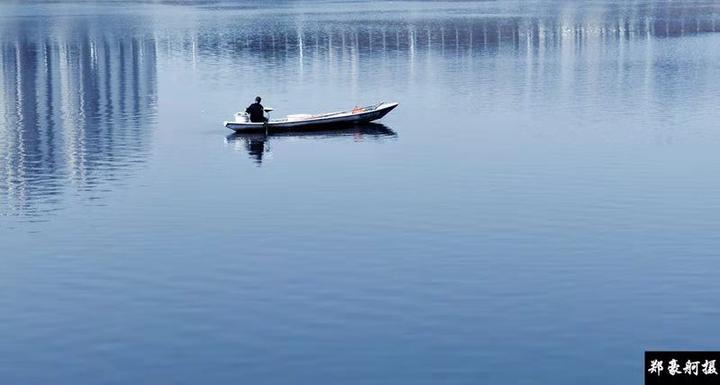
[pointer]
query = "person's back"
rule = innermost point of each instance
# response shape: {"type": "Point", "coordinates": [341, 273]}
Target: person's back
{"type": "Point", "coordinates": [256, 111]}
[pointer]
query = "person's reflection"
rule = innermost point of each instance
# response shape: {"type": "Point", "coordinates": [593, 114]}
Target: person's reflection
{"type": "Point", "coordinates": [256, 149]}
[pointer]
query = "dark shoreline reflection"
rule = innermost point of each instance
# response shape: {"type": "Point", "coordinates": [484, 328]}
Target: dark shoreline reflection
{"type": "Point", "coordinates": [257, 144]}
{"type": "Point", "coordinates": [78, 106]}
{"type": "Point", "coordinates": [453, 31]}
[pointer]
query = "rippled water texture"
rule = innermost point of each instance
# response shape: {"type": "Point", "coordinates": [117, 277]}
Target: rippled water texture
{"type": "Point", "coordinates": [541, 208]}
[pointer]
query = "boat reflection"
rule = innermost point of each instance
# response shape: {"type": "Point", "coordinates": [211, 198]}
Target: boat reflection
{"type": "Point", "coordinates": [257, 145]}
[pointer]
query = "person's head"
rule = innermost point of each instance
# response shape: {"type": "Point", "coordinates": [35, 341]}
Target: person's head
{"type": "Point", "coordinates": [258, 99]}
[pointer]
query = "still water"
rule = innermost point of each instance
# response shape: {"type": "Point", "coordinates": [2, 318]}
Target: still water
{"type": "Point", "coordinates": [541, 208]}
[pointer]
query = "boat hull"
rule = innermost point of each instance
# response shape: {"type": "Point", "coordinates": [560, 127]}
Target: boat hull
{"type": "Point", "coordinates": [321, 121]}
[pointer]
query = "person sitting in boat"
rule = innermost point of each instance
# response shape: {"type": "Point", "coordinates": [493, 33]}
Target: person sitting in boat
{"type": "Point", "coordinates": [256, 111]}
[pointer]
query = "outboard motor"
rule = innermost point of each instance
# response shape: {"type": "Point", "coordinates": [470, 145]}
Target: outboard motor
{"type": "Point", "coordinates": [242, 117]}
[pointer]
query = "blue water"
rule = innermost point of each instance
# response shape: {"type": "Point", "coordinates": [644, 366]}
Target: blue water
{"type": "Point", "coordinates": [541, 208]}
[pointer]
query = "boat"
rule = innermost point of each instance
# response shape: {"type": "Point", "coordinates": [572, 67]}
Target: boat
{"type": "Point", "coordinates": [297, 122]}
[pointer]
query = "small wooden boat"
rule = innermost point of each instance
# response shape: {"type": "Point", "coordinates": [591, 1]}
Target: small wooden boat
{"type": "Point", "coordinates": [306, 121]}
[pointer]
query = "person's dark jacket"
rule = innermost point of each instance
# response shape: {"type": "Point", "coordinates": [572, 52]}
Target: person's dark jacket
{"type": "Point", "coordinates": [256, 112]}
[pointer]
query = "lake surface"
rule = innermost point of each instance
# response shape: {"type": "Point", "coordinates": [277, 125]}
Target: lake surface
{"type": "Point", "coordinates": [541, 208]}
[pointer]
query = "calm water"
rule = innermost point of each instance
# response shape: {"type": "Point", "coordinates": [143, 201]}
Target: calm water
{"type": "Point", "coordinates": [542, 207]}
